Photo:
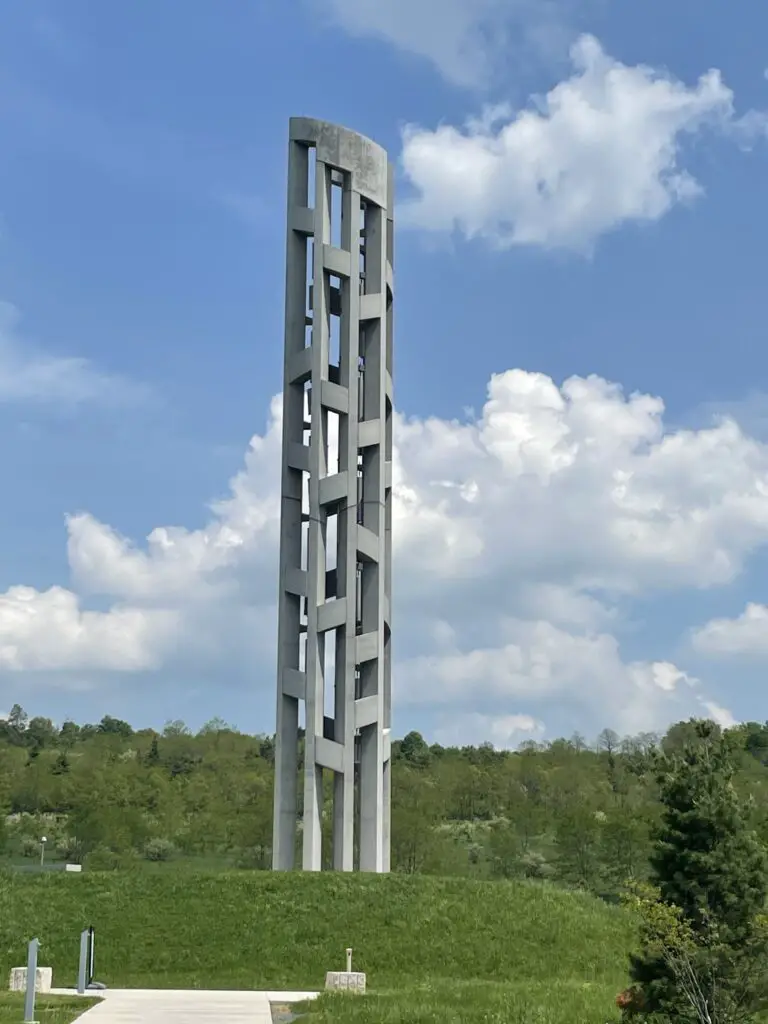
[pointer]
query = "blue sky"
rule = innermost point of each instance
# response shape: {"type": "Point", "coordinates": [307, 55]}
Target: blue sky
{"type": "Point", "coordinates": [575, 200]}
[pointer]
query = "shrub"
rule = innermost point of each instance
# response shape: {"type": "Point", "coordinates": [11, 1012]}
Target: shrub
{"type": "Point", "coordinates": [29, 847]}
{"type": "Point", "coordinates": [68, 849]}
{"type": "Point", "coordinates": [101, 858]}
{"type": "Point", "coordinates": [256, 858]}
{"type": "Point", "coordinates": [534, 865]}
{"type": "Point", "coordinates": [159, 849]}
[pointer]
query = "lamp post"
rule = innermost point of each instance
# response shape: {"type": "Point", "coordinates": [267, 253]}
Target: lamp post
{"type": "Point", "coordinates": [43, 841]}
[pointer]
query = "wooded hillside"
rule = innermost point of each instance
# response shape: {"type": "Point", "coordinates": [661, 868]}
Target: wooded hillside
{"type": "Point", "coordinates": [576, 812]}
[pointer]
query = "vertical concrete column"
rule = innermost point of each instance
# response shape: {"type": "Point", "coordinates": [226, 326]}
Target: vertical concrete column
{"type": "Point", "coordinates": [335, 560]}
{"type": "Point", "coordinates": [317, 532]}
{"type": "Point", "coordinates": [376, 480]}
{"type": "Point", "coordinates": [292, 590]}
{"type": "Point", "coordinates": [346, 556]}
{"type": "Point", "coordinates": [387, 611]}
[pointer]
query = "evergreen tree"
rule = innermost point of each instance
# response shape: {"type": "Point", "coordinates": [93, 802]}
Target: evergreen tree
{"type": "Point", "coordinates": [61, 765]}
{"type": "Point", "coordinates": [710, 869]}
{"type": "Point", "coordinates": [153, 755]}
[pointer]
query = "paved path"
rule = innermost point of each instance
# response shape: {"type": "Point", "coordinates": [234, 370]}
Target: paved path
{"type": "Point", "coordinates": [163, 1006]}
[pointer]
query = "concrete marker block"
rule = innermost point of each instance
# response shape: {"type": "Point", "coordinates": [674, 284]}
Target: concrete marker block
{"type": "Point", "coordinates": [43, 979]}
{"type": "Point", "coordinates": [345, 981]}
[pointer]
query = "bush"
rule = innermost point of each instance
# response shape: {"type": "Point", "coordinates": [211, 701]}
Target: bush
{"type": "Point", "coordinates": [256, 858]}
{"type": "Point", "coordinates": [68, 849]}
{"type": "Point", "coordinates": [159, 850]}
{"type": "Point", "coordinates": [534, 865]}
{"type": "Point", "coordinates": [101, 858]}
{"type": "Point", "coordinates": [29, 847]}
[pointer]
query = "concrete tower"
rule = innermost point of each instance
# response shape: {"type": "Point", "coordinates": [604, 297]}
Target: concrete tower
{"type": "Point", "coordinates": [336, 511]}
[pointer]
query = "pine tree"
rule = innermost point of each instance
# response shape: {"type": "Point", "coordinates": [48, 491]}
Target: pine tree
{"type": "Point", "coordinates": [153, 756]}
{"type": "Point", "coordinates": [61, 765]}
{"type": "Point", "coordinates": [710, 869]}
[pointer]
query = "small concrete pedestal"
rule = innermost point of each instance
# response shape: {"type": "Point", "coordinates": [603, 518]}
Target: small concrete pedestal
{"type": "Point", "coordinates": [345, 981]}
{"type": "Point", "coordinates": [43, 979]}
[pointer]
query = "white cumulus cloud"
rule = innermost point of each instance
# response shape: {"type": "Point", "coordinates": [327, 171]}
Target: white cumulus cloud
{"type": "Point", "coordinates": [746, 635]}
{"type": "Point", "coordinates": [504, 732]}
{"type": "Point", "coordinates": [30, 374]}
{"type": "Point", "coordinates": [721, 715]}
{"type": "Point", "coordinates": [465, 40]}
{"type": "Point", "coordinates": [521, 535]}
{"type": "Point", "coordinates": [49, 631]}
{"type": "Point", "coordinates": [600, 149]}
{"type": "Point", "coordinates": [545, 664]}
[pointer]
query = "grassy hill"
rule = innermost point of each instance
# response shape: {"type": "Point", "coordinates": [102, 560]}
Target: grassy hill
{"type": "Point", "coordinates": [430, 946]}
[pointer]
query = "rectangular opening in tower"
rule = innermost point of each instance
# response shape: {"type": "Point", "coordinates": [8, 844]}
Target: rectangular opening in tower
{"type": "Point", "coordinates": [334, 319]}
{"type": "Point", "coordinates": [311, 176]}
{"type": "Point", "coordinates": [361, 261]}
{"type": "Point", "coordinates": [305, 514]}
{"type": "Point", "coordinates": [303, 640]}
{"type": "Point", "coordinates": [332, 546]}
{"type": "Point", "coordinates": [389, 331]}
{"type": "Point", "coordinates": [304, 548]}
{"type": "Point", "coordinates": [336, 208]}
{"type": "Point", "coordinates": [303, 609]}
{"type": "Point", "coordinates": [306, 435]}
{"type": "Point", "coordinates": [333, 442]}
{"type": "Point", "coordinates": [329, 676]}
{"type": "Point", "coordinates": [307, 412]}
{"type": "Point", "coordinates": [308, 310]}
{"type": "Point", "coordinates": [360, 490]}
{"type": "Point", "coordinates": [359, 598]}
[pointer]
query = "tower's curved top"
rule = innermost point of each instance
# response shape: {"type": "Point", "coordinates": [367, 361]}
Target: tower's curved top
{"type": "Point", "coordinates": [339, 147]}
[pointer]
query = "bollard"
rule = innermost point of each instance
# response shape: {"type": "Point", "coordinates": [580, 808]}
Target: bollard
{"type": "Point", "coordinates": [91, 946]}
{"type": "Point", "coordinates": [346, 981]}
{"type": "Point", "coordinates": [85, 974]}
{"type": "Point", "coordinates": [82, 980]}
{"type": "Point", "coordinates": [29, 1000]}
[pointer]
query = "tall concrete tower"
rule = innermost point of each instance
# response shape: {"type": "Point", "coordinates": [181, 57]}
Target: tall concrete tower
{"type": "Point", "coordinates": [336, 512]}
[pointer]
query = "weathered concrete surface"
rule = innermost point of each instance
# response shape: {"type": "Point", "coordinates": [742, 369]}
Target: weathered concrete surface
{"type": "Point", "coordinates": [340, 288]}
{"type": "Point", "coordinates": [18, 979]}
{"type": "Point", "coordinates": [345, 981]}
{"type": "Point", "coordinates": [162, 1006]}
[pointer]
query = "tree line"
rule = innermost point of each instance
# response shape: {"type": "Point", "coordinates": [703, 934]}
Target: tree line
{"type": "Point", "coordinates": [578, 813]}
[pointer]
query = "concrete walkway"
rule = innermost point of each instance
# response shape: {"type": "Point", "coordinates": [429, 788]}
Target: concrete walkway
{"type": "Point", "coordinates": [163, 1006]}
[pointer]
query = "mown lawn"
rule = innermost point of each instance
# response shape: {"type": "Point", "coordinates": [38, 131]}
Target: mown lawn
{"type": "Point", "coordinates": [48, 1009]}
{"type": "Point", "coordinates": [433, 949]}
{"type": "Point", "coordinates": [445, 1002]}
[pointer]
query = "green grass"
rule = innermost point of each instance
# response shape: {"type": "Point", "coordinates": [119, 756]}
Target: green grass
{"type": "Point", "coordinates": [196, 863]}
{"type": "Point", "coordinates": [525, 1002]}
{"type": "Point", "coordinates": [48, 1009]}
{"type": "Point", "coordinates": [433, 949]}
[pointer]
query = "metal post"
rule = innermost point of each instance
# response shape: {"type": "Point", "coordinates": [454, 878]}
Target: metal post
{"type": "Point", "coordinates": [83, 967]}
{"type": "Point", "coordinates": [91, 952]}
{"type": "Point", "coordinates": [29, 1001]}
